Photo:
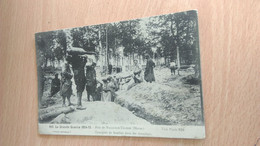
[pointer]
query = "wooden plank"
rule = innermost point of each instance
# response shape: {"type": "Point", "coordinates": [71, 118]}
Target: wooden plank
{"type": "Point", "coordinates": [52, 112]}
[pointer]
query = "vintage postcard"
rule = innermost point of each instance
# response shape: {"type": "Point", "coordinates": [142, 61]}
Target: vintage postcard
{"type": "Point", "coordinates": [139, 78]}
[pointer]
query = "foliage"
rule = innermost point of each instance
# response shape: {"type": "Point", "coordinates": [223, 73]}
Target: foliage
{"type": "Point", "coordinates": [171, 31]}
{"type": "Point", "coordinates": [166, 36]}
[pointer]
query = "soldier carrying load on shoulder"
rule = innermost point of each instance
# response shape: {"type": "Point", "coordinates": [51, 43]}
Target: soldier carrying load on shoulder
{"type": "Point", "coordinates": [78, 63]}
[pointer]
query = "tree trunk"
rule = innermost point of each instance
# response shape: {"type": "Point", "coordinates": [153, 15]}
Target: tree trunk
{"type": "Point", "coordinates": [178, 58]}
{"type": "Point", "coordinates": [53, 112]}
{"type": "Point", "coordinates": [133, 57]}
{"type": "Point", "coordinates": [101, 49]}
{"type": "Point", "coordinates": [177, 51]}
{"type": "Point", "coordinates": [139, 60]}
{"type": "Point", "coordinates": [122, 61]}
{"type": "Point", "coordinates": [107, 59]}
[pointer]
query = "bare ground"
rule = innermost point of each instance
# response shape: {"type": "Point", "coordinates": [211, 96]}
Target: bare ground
{"type": "Point", "coordinates": [168, 101]}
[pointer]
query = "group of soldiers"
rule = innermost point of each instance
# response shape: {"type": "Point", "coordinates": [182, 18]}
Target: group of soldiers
{"type": "Point", "coordinates": [85, 78]}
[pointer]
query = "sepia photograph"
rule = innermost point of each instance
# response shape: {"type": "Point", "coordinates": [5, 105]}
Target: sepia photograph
{"type": "Point", "coordinates": [134, 74]}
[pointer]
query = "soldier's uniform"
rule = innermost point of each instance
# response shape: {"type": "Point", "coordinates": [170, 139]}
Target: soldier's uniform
{"type": "Point", "coordinates": [78, 63]}
{"type": "Point", "coordinates": [55, 85]}
{"type": "Point", "coordinates": [66, 85]}
{"type": "Point", "coordinates": [91, 82]}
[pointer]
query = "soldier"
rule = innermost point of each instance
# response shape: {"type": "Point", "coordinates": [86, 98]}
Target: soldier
{"type": "Point", "coordinates": [91, 82]}
{"type": "Point", "coordinates": [66, 85]}
{"type": "Point", "coordinates": [55, 85]}
{"type": "Point", "coordinates": [149, 74]}
{"type": "Point", "coordinates": [110, 67]}
{"type": "Point", "coordinates": [99, 91]}
{"type": "Point", "coordinates": [78, 63]}
{"type": "Point", "coordinates": [173, 67]}
{"type": "Point", "coordinates": [112, 87]}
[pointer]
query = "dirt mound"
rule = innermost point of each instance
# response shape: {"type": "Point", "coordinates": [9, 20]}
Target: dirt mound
{"type": "Point", "coordinates": [163, 103]}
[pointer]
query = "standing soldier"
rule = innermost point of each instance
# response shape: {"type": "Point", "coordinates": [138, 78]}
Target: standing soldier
{"type": "Point", "coordinates": [66, 85]}
{"type": "Point", "coordinates": [149, 74]}
{"type": "Point", "coordinates": [99, 91]}
{"type": "Point", "coordinates": [173, 67]}
{"type": "Point", "coordinates": [110, 67]}
{"type": "Point", "coordinates": [78, 63]}
{"type": "Point", "coordinates": [112, 87]}
{"type": "Point", "coordinates": [55, 85]}
{"type": "Point", "coordinates": [91, 82]}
